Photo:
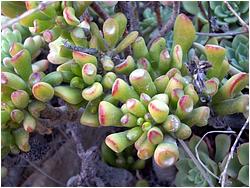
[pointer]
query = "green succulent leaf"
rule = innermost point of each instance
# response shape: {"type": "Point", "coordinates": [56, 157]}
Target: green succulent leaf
{"type": "Point", "coordinates": [243, 153]}
{"type": "Point", "coordinates": [243, 175]}
{"type": "Point", "coordinates": [193, 142]}
{"type": "Point", "coordinates": [222, 144]}
{"type": "Point", "coordinates": [233, 167]}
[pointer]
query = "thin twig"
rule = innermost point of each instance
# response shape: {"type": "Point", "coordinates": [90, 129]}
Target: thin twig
{"type": "Point", "coordinates": [158, 14]}
{"type": "Point", "coordinates": [43, 173]}
{"type": "Point", "coordinates": [131, 14]}
{"type": "Point", "coordinates": [74, 130]}
{"type": "Point", "coordinates": [202, 10]}
{"type": "Point", "coordinates": [91, 51]}
{"type": "Point", "coordinates": [41, 6]}
{"type": "Point", "coordinates": [169, 25]}
{"type": "Point", "coordinates": [243, 23]}
{"type": "Point", "coordinates": [221, 34]}
{"type": "Point", "coordinates": [99, 11]}
{"type": "Point", "coordinates": [196, 162]}
{"type": "Point", "coordinates": [197, 153]}
{"type": "Point", "coordinates": [230, 156]}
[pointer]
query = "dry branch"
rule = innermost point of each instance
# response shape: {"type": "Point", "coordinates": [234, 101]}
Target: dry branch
{"type": "Point", "coordinates": [230, 156]}
{"type": "Point", "coordinates": [41, 6]}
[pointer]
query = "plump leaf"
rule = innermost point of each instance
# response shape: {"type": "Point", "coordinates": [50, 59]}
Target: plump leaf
{"type": "Point", "coordinates": [222, 144]}
{"type": "Point", "coordinates": [233, 167]}
{"type": "Point", "coordinates": [12, 9]}
{"type": "Point", "coordinates": [243, 175]}
{"type": "Point", "coordinates": [183, 37]}
{"type": "Point", "coordinates": [243, 153]}
{"type": "Point", "coordinates": [191, 7]}
{"type": "Point", "coordinates": [193, 142]}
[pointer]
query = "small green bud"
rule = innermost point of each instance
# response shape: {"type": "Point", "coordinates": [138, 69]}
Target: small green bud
{"type": "Point", "coordinates": [146, 126]}
{"type": "Point", "coordinates": [140, 121]}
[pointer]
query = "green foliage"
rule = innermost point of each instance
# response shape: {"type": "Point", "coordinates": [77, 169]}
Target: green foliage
{"type": "Point", "coordinates": [189, 175]}
{"type": "Point", "coordinates": [218, 9]}
{"type": "Point", "coordinates": [237, 52]}
{"type": "Point", "coordinates": [157, 103]}
{"type": "Point", "coordinates": [225, 16]}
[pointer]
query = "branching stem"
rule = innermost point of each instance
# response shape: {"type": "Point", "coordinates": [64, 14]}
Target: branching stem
{"type": "Point", "coordinates": [41, 6]}
{"type": "Point", "coordinates": [230, 156]}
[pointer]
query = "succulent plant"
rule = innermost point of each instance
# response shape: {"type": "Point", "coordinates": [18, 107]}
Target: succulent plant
{"type": "Point", "coordinates": [237, 52]}
{"type": "Point", "coordinates": [21, 92]}
{"type": "Point", "coordinates": [150, 92]}
{"type": "Point", "coordinates": [14, 34]}
{"type": "Point", "coordinates": [160, 101]}
{"type": "Point", "coordinates": [224, 17]}
{"type": "Point", "coordinates": [125, 159]}
{"type": "Point", "coordinates": [189, 175]}
{"type": "Point", "coordinates": [149, 23]}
